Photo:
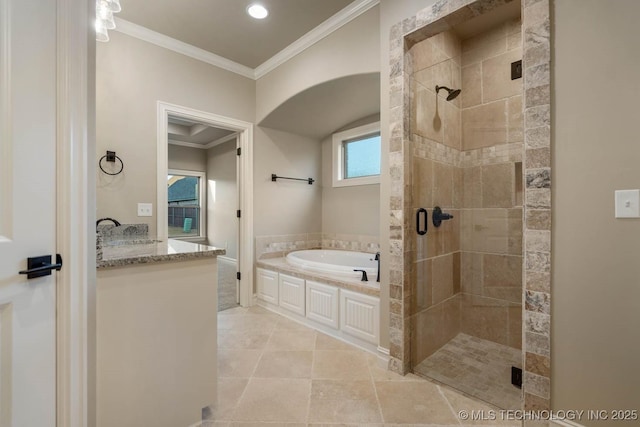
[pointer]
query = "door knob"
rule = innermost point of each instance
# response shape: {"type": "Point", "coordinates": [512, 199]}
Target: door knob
{"type": "Point", "coordinates": [41, 266]}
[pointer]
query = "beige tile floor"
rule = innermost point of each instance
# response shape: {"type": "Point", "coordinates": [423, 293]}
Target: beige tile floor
{"type": "Point", "coordinates": [275, 372]}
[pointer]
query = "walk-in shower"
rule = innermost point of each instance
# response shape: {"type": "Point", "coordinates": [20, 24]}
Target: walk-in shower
{"type": "Point", "coordinates": [465, 160]}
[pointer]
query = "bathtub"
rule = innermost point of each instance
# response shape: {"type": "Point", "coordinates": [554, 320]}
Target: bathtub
{"type": "Point", "coordinates": [338, 264]}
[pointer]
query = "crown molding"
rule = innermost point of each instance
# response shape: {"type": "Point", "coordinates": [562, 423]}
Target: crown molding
{"type": "Point", "coordinates": [143, 33]}
{"type": "Point", "coordinates": [221, 140]}
{"type": "Point", "coordinates": [204, 146]}
{"type": "Point", "coordinates": [343, 17]}
{"type": "Point", "coordinates": [187, 144]}
{"type": "Point", "coordinates": [346, 15]}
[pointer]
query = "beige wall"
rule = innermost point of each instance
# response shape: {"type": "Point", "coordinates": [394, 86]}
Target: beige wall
{"type": "Point", "coordinates": [348, 210]}
{"type": "Point", "coordinates": [187, 158]}
{"type": "Point", "coordinates": [222, 197]}
{"type": "Point", "coordinates": [352, 49]}
{"type": "Point", "coordinates": [156, 343]}
{"type": "Point", "coordinates": [596, 273]}
{"type": "Point", "coordinates": [391, 12]}
{"type": "Point", "coordinates": [132, 76]}
{"type": "Point", "coordinates": [286, 207]}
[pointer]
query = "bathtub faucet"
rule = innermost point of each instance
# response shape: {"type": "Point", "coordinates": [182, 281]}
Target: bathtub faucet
{"type": "Point", "coordinates": [364, 275]}
{"type": "Point", "coordinates": [377, 258]}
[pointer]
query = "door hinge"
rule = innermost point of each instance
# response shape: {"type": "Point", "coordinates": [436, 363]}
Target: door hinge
{"type": "Point", "coordinates": [238, 275]}
{"type": "Point", "coordinates": [239, 151]}
{"type": "Point", "coordinates": [516, 376]}
{"type": "Point", "coordinates": [238, 213]}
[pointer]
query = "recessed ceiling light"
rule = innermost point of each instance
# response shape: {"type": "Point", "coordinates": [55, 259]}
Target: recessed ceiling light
{"type": "Point", "coordinates": [257, 11]}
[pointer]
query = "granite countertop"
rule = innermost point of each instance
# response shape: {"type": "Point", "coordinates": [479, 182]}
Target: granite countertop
{"type": "Point", "coordinates": [148, 251]}
{"type": "Point", "coordinates": [281, 266]}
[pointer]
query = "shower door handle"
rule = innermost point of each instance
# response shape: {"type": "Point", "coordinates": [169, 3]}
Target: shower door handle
{"type": "Point", "coordinates": [419, 213]}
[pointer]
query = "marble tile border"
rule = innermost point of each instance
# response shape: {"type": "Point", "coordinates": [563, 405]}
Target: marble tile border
{"type": "Point", "coordinates": [510, 152]}
{"type": "Point", "coordinates": [279, 245]}
{"type": "Point", "coordinates": [537, 160]}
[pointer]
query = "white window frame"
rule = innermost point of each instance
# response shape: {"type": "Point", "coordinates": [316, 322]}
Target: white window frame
{"type": "Point", "coordinates": [203, 204]}
{"type": "Point", "coordinates": [338, 156]}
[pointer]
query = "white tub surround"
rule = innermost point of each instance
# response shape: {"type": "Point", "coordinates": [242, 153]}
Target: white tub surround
{"type": "Point", "coordinates": [280, 265]}
{"type": "Point", "coordinates": [347, 308]}
{"type": "Point", "coordinates": [333, 263]}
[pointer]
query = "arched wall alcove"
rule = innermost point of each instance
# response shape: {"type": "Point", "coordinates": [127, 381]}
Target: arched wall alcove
{"type": "Point", "coordinates": [353, 49]}
{"type": "Point", "coordinates": [327, 107]}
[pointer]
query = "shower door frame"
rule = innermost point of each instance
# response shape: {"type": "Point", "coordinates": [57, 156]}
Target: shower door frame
{"type": "Point", "coordinates": [536, 294]}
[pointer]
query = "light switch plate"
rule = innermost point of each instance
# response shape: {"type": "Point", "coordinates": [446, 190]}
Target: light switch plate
{"type": "Point", "coordinates": [145, 209]}
{"type": "Point", "coordinates": [627, 203]}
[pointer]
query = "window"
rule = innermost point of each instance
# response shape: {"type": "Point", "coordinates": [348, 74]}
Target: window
{"type": "Point", "coordinates": [185, 194]}
{"type": "Point", "coordinates": [356, 156]}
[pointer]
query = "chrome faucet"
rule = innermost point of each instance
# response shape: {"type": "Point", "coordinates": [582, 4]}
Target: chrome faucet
{"type": "Point", "coordinates": [377, 258]}
{"type": "Point", "coordinates": [115, 221]}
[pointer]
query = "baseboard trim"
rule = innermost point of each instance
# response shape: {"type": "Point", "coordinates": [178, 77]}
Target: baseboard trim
{"type": "Point", "coordinates": [383, 357]}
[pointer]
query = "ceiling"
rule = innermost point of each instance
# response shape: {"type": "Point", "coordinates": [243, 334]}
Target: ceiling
{"type": "Point", "coordinates": [484, 22]}
{"type": "Point", "coordinates": [196, 134]}
{"type": "Point", "coordinates": [328, 107]}
{"type": "Point", "coordinates": [223, 27]}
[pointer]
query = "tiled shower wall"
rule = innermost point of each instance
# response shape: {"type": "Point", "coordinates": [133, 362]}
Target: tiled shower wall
{"type": "Point", "coordinates": [536, 45]}
{"type": "Point", "coordinates": [466, 158]}
{"type": "Point", "coordinates": [491, 163]}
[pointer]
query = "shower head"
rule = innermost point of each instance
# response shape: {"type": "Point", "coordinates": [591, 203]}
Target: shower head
{"type": "Point", "coordinates": [453, 93]}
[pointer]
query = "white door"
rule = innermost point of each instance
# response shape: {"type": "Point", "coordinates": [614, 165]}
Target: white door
{"type": "Point", "coordinates": [27, 211]}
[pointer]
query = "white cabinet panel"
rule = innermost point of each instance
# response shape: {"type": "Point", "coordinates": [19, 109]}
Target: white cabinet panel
{"type": "Point", "coordinates": [359, 316]}
{"type": "Point", "coordinates": [322, 303]}
{"type": "Point", "coordinates": [291, 294]}
{"type": "Point", "coordinates": [346, 315]}
{"type": "Point", "coordinates": [267, 285]}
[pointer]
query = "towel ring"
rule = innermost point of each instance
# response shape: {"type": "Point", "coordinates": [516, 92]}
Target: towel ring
{"type": "Point", "coordinates": [111, 157]}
